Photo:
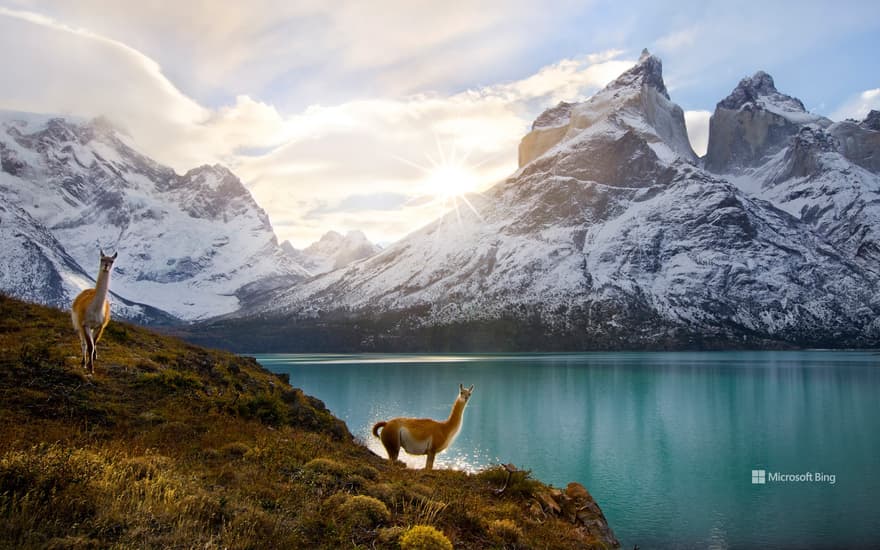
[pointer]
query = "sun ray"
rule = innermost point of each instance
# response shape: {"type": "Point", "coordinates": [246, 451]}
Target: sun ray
{"type": "Point", "coordinates": [449, 177]}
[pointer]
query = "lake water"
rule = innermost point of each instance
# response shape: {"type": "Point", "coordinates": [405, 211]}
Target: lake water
{"type": "Point", "coordinates": [665, 442]}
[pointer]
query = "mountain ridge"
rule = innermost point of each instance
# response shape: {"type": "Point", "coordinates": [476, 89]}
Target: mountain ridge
{"type": "Point", "coordinates": [611, 235]}
{"type": "Point", "coordinates": [188, 243]}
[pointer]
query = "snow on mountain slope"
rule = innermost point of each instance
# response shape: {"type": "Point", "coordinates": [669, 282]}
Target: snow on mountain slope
{"type": "Point", "coordinates": [35, 267]}
{"type": "Point", "coordinates": [610, 234]}
{"type": "Point", "coordinates": [332, 251]}
{"type": "Point", "coordinates": [827, 175]}
{"type": "Point", "coordinates": [190, 245]}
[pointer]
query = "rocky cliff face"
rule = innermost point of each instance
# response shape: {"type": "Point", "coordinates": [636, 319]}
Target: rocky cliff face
{"type": "Point", "coordinates": [189, 245]}
{"type": "Point", "coordinates": [860, 141]}
{"type": "Point", "coordinates": [613, 236]}
{"type": "Point", "coordinates": [752, 123]}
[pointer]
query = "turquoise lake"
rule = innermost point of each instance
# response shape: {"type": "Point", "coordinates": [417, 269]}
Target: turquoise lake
{"type": "Point", "coordinates": [666, 442]}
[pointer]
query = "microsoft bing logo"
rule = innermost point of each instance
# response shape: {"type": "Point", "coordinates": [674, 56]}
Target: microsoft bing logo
{"type": "Point", "coordinates": [759, 477]}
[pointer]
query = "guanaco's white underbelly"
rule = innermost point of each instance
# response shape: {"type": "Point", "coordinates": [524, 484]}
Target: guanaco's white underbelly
{"type": "Point", "coordinates": [412, 445]}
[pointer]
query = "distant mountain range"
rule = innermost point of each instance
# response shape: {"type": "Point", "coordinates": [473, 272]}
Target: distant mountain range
{"type": "Point", "coordinates": [612, 234]}
{"type": "Point", "coordinates": [191, 246]}
{"type": "Point", "coordinates": [332, 251]}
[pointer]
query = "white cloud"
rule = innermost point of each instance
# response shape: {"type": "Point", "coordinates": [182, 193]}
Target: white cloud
{"type": "Point", "coordinates": [697, 123]}
{"type": "Point", "coordinates": [858, 106]}
{"type": "Point", "coordinates": [74, 71]}
{"type": "Point", "coordinates": [316, 160]}
{"type": "Point", "coordinates": [257, 47]}
{"type": "Point", "coordinates": [376, 146]}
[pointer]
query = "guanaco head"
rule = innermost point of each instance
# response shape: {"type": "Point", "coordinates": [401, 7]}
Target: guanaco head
{"type": "Point", "coordinates": [465, 394]}
{"type": "Point", "coordinates": [107, 261]}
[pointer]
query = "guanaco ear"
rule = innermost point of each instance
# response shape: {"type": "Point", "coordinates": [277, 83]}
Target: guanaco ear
{"type": "Point", "coordinates": [115, 254]}
{"type": "Point", "coordinates": [460, 387]}
{"type": "Point", "coordinates": [102, 252]}
{"type": "Point", "coordinates": [471, 389]}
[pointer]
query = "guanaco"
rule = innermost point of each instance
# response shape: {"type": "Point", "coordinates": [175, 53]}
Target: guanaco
{"type": "Point", "coordinates": [91, 313]}
{"type": "Point", "coordinates": [423, 436]}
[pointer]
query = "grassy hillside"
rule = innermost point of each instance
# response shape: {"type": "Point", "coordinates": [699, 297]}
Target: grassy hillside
{"type": "Point", "coordinates": [171, 445]}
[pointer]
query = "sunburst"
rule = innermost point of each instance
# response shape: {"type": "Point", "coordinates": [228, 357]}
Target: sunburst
{"type": "Point", "coordinates": [449, 177]}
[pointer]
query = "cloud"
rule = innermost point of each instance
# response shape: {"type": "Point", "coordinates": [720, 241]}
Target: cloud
{"type": "Point", "coordinates": [313, 170]}
{"type": "Point", "coordinates": [76, 72]}
{"type": "Point", "coordinates": [387, 147]}
{"type": "Point", "coordinates": [306, 50]}
{"type": "Point", "coordinates": [697, 123]}
{"type": "Point", "coordinates": [857, 107]}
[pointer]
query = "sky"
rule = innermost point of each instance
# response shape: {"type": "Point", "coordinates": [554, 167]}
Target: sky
{"type": "Point", "coordinates": [375, 116]}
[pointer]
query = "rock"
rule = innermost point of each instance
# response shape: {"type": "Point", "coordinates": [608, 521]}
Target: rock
{"type": "Point", "coordinates": [872, 121]}
{"type": "Point", "coordinates": [577, 491]}
{"type": "Point", "coordinates": [860, 142]}
{"type": "Point", "coordinates": [549, 503]}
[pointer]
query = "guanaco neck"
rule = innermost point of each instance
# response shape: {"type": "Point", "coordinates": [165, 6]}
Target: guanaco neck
{"type": "Point", "coordinates": [102, 286]}
{"type": "Point", "coordinates": [454, 420]}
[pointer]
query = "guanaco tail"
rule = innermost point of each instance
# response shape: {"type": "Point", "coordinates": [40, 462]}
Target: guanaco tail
{"type": "Point", "coordinates": [423, 436]}
{"type": "Point", "coordinates": [91, 313]}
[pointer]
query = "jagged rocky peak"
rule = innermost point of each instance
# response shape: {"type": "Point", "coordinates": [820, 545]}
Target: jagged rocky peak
{"type": "Point", "coordinates": [872, 121]}
{"type": "Point", "coordinates": [755, 121]}
{"type": "Point", "coordinates": [635, 109]}
{"type": "Point", "coordinates": [214, 192]}
{"type": "Point", "coordinates": [648, 71]}
{"type": "Point", "coordinates": [755, 89]}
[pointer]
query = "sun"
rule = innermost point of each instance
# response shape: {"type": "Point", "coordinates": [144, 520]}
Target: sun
{"type": "Point", "coordinates": [450, 180]}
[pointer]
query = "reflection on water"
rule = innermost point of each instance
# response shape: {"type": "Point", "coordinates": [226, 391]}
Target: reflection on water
{"type": "Point", "coordinates": [664, 441]}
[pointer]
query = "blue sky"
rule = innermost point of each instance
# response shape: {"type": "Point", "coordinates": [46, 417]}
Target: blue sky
{"type": "Point", "coordinates": [335, 113]}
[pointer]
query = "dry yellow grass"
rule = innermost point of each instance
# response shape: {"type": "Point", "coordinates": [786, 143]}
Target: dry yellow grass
{"type": "Point", "coordinates": [171, 445]}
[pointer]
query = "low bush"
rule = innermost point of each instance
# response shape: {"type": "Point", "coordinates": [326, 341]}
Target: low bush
{"type": "Point", "coordinates": [424, 537]}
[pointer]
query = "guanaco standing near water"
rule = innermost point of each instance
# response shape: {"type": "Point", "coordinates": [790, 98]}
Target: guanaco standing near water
{"type": "Point", "coordinates": [91, 313]}
{"type": "Point", "coordinates": [423, 436]}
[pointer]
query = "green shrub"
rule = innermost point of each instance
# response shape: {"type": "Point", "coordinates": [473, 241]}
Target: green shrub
{"type": "Point", "coordinates": [326, 466]}
{"type": "Point", "coordinates": [264, 407]}
{"type": "Point", "coordinates": [363, 512]}
{"type": "Point", "coordinates": [424, 537]}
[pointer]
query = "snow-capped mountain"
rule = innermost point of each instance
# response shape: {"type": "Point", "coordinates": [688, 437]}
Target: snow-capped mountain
{"type": "Point", "coordinates": [825, 173]}
{"type": "Point", "coordinates": [332, 251]}
{"type": "Point", "coordinates": [609, 235]}
{"type": "Point", "coordinates": [35, 267]}
{"type": "Point", "coordinates": [192, 245]}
